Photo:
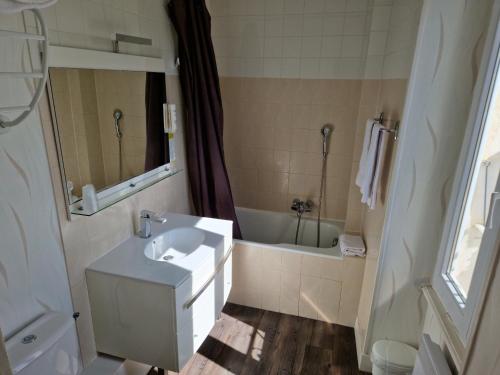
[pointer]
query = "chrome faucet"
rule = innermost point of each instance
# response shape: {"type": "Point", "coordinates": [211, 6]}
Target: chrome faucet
{"type": "Point", "coordinates": [300, 206]}
{"type": "Point", "coordinates": [146, 218]}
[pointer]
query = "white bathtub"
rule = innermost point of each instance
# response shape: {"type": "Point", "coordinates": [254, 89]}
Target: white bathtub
{"type": "Point", "coordinates": [275, 229]}
{"type": "Point", "coordinates": [271, 273]}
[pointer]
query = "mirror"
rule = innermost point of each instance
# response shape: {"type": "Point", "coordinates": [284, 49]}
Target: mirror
{"type": "Point", "coordinates": [109, 125]}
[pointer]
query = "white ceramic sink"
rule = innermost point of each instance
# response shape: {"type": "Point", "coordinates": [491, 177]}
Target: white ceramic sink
{"type": "Point", "coordinates": [174, 244]}
{"type": "Point", "coordinates": [155, 300]}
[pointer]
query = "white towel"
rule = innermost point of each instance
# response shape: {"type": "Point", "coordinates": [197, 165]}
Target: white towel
{"type": "Point", "coordinates": [352, 245]}
{"type": "Point", "coordinates": [370, 166]}
{"type": "Point", "coordinates": [366, 145]}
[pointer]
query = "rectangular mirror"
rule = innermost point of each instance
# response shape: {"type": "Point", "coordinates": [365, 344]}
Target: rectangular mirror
{"type": "Point", "coordinates": [109, 126]}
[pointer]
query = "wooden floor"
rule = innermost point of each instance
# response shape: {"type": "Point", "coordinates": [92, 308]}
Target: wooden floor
{"type": "Point", "coordinates": [257, 342]}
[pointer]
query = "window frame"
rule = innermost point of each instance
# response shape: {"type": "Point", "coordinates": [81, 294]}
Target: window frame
{"type": "Point", "coordinates": [488, 86]}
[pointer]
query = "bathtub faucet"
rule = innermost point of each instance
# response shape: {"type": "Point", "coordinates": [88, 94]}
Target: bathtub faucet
{"type": "Point", "coordinates": [300, 206]}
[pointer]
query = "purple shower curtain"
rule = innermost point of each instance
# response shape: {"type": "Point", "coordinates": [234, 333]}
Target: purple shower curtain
{"type": "Point", "coordinates": [157, 153]}
{"type": "Point", "coordinates": [207, 171]}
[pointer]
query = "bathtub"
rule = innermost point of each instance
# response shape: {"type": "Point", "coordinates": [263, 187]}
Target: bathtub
{"type": "Point", "coordinates": [271, 273]}
{"type": "Point", "coordinates": [276, 229]}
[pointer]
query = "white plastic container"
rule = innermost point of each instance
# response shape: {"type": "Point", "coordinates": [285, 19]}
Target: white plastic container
{"type": "Point", "coordinates": [392, 358]}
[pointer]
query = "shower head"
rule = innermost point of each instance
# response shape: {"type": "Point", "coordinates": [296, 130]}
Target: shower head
{"type": "Point", "coordinates": [117, 115]}
{"type": "Point", "coordinates": [326, 131]}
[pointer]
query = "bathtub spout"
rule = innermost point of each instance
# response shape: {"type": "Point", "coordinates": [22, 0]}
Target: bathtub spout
{"type": "Point", "coordinates": [300, 207]}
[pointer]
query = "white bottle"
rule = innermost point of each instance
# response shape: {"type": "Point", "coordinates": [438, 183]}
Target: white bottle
{"type": "Point", "coordinates": [89, 198]}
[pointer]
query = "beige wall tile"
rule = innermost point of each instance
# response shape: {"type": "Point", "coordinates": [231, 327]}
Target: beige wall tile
{"type": "Point", "coordinates": [289, 297]}
{"type": "Point", "coordinates": [298, 284]}
{"type": "Point", "coordinates": [271, 301]}
{"type": "Point", "coordinates": [310, 296]}
{"type": "Point", "coordinates": [271, 292]}
{"type": "Point", "coordinates": [280, 182]}
{"type": "Point", "coordinates": [291, 262]}
{"type": "Point", "coordinates": [311, 265]}
{"type": "Point", "coordinates": [330, 300]}
{"type": "Point", "coordinates": [273, 125]}
{"type": "Point", "coordinates": [272, 260]}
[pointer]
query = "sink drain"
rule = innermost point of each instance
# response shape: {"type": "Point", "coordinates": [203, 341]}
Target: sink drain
{"type": "Point", "coordinates": [168, 257]}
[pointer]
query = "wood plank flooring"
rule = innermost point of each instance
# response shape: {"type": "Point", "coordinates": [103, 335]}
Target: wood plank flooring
{"type": "Point", "coordinates": [248, 341]}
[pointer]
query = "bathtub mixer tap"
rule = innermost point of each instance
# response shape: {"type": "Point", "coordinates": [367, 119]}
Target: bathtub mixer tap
{"type": "Point", "coordinates": [300, 207]}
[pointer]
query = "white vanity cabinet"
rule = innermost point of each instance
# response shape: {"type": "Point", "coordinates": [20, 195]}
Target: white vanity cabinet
{"type": "Point", "coordinates": [156, 312]}
{"type": "Point", "coordinates": [194, 322]}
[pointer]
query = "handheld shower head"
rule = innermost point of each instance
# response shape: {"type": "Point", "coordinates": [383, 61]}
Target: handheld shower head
{"type": "Point", "coordinates": [326, 131]}
{"type": "Point", "coordinates": [117, 115]}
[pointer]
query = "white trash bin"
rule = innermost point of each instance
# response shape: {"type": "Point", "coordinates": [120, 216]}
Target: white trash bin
{"type": "Point", "coordinates": [392, 358]}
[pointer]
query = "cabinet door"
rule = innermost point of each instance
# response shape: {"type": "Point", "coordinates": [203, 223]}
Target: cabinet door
{"type": "Point", "coordinates": [197, 311]}
{"type": "Point", "coordinates": [228, 277]}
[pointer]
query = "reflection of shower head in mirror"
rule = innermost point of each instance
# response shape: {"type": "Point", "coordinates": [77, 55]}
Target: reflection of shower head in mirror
{"type": "Point", "coordinates": [326, 130]}
{"type": "Point", "coordinates": [117, 115]}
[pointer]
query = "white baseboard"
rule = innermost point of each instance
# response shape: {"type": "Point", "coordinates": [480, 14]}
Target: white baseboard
{"type": "Point", "coordinates": [110, 365]}
{"type": "Point", "coordinates": [364, 362]}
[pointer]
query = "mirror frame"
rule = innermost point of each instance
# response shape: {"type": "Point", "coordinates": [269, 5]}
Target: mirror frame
{"type": "Point", "coordinates": [67, 57]}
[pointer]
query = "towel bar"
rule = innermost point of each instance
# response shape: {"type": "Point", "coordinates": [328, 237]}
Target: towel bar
{"type": "Point", "coordinates": [395, 130]}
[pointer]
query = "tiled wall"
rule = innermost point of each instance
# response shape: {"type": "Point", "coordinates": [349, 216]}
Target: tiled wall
{"type": "Point", "coordinates": [333, 39]}
{"type": "Point", "coordinates": [289, 67]}
{"type": "Point", "coordinates": [310, 286]}
{"type": "Point", "coordinates": [293, 39]}
{"type": "Point", "coordinates": [273, 145]}
{"type": "Point", "coordinates": [387, 96]}
{"type": "Point", "coordinates": [125, 91]}
{"type": "Point", "coordinates": [85, 100]}
{"type": "Point", "coordinates": [78, 124]}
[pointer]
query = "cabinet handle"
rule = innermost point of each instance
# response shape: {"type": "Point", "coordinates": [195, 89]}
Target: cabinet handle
{"type": "Point", "coordinates": [495, 196]}
{"type": "Point", "coordinates": [195, 296]}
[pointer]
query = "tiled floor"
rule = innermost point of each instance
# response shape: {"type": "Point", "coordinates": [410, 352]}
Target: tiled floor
{"type": "Point", "coordinates": [258, 342]}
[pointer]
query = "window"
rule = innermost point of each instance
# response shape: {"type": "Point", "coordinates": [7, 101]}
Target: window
{"type": "Point", "coordinates": [473, 227]}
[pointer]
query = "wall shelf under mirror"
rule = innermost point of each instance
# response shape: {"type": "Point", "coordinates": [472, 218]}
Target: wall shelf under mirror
{"type": "Point", "coordinates": [112, 135]}
{"type": "Point", "coordinates": [124, 190]}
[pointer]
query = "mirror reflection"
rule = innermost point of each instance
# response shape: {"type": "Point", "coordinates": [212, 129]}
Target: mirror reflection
{"type": "Point", "coordinates": [109, 124]}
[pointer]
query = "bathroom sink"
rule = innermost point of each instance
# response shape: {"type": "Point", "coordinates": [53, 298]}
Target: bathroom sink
{"type": "Point", "coordinates": [155, 300]}
{"type": "Point", "coordinates": [174, 244]}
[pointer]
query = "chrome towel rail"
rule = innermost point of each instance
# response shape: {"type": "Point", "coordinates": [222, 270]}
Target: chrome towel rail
{"type": "Point", "coordinates": [41, 76]}
{"type": "Point", "coordinates": [394, 123]}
